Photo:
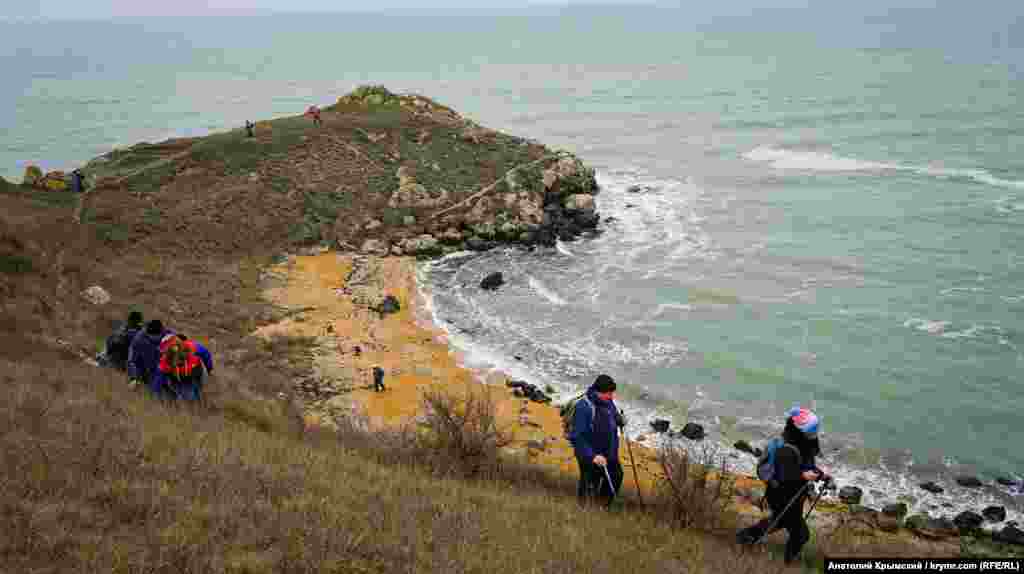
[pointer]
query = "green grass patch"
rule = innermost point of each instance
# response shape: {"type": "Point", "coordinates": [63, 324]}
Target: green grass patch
{"type": "Point", "coordinates": [151, 216]}
{"type": "Point", "coordinates": [39, 197]}
{"type": "Point", "coordinates": [238, 154]}
{"type": "Point", "coordinates": [713, 296]}
{"type": "Point", "coordinates": [112, 232]}
{"type": "Point", "coordinates": [319, 211]}
{"type": "Point", "coordinates": [13, 264]}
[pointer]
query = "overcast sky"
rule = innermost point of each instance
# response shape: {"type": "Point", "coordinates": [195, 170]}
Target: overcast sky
{"type": "Point", "coordinates": [106, 8]}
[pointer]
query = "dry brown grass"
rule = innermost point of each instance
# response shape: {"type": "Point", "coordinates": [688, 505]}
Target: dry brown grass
{"type": "Point", "coordinates": [697, 488]}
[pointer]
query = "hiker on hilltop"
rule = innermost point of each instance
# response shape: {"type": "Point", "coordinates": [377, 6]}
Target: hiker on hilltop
{"type": "Point", "coordinates": [249, 129]}
{"type": "Point", "coordinates": [115, 353]}
{"type": "Point", "coordinates": [792, 469]}
{"type": "Point", "coordinates": [595, 440]}
{"type": "Point", "coordinates": [181, 373]}
{"type": "Point", "coordinates": [314, 112]}
{"type": "Point", "coordinates": [77, 181]}
{"type": "Point", "coordinates": [144, 356]}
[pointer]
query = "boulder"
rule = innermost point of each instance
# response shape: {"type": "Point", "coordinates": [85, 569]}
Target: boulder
{"type": "Point", "coordinates": [851, 494]}
{"type": "Point", "coordinates": [968, 521]}
{"type": "Point", "coordinates": [96, 295]}
{"type": "Point", "coordinates": [744, 446]}
{"type": "Point", "coordinates": [661, 425]}
{"type": "Point", "coordinates": [969, 481]}
{"type": "Point", "coordinates": [424, 244]}
{"type": "Point", "coordinates": [1007, 481]}
{"type": "Point", "coordinates": [372, 224]}
{"type": "Point", "coordinates": [451, 235]}
{"type": "Point", "coordinates": [492, 281]}
{"type": "Point", "coordinates": [932, 487]}
{"type": "Point", "coordinates": [374, 247]}
{"type": "Point", "coordinates": [1009, 535]}
{"type": "Point", "coordinates": [692, 431]}
{"type": "Point", "coordinates": [994, 513]}
{"type": "Point", "coordinates": [409, 220]}
{"type": "Point", "coordinates": [580, 202]}
{"type": "Point", "coordinates": [898, 509]}
{"type": "Point", "coordinates": [932, 528]}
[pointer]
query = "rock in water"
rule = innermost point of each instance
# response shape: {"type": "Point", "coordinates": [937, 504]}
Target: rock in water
{"type": "Point", "coordinates": [994, 513]}
{"type": "Point", "coordinates": [660, 425]}
{"type": "Point", "coordinates": [744, 446]}
{"type": "Point", "coordinates": [1007, 481]}
{"type": "Point", "coordinates": [692, 431]}
{"type": "Point", "coordinates": [968, 481]}
{"type": "Point", "coordinates": [968, 521]}
{"type": "Point", "coordinates": [492, 281]}
{"type": "Point", "coordinates": [933, 488]}
{"type": "Point", "coordinates": [899, 509]}
{"type": "Point", "coordinates": [851, 494]}
{"type": "Point", "coordinates": [96, 295]}
{"type": "Point", "coordinates": [1010, 535]}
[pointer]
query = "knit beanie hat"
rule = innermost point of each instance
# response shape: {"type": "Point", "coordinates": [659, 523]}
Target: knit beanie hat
{"type": "Point", "coordinates": [135, 319]}
{"type": "Point", "coordinates": [604, 384]}
{"type": "Point", "coordinates": [804, 420]}
{"type": "Point", "coordinates": [154, 327]}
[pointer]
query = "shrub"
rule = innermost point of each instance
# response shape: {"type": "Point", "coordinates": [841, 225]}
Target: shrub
{"type": "Point", "coordinates": [15, 264]}
{"type": "Point", "coordinates": [462, 431]}
{"type": "Point", "coordinates": [697, 487]}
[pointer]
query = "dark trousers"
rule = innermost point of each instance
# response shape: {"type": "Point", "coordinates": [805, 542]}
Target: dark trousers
{"type": "Point", "coordinates": [593, 483]}
{"type": "Point", "coordinates": [792, 521]}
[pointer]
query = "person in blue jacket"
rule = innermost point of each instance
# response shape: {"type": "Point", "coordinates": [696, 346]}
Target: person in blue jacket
{"type": "Point", "coordinates": [595, 440]}
{"type": "Point", "coordinates": [205, 357]}
{"type": "Point", "coordinates": [144, 357]}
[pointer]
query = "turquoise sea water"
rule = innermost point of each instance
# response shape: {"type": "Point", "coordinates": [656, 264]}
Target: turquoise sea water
{"type": "Point", "coordinates": [833, 216]}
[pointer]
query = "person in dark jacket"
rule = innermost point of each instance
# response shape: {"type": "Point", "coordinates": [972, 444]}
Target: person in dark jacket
{"type": "Point", "coordinates": [144, 357]}
{"type": "Point", "coordinates": [595, 440]}
{"type": "Point", "coordinates": [378, 379]}
{"type": "Point", "coordinates": [795, 469]}
{"type": "Point", "coordinates": [77, 181]}
{"type": "Point", "coordinates": [115, 353]}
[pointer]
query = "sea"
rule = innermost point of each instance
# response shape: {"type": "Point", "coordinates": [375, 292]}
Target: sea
{"type": "Point", "coordinates": [815, 206]}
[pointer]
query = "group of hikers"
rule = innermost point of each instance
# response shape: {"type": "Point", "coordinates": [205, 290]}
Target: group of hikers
{"type": "Point", "coordinates": [170, 365]}
{"type": "Point", "coordinates": [787, 465]}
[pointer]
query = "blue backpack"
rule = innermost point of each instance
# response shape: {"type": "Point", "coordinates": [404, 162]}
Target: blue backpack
{"type": "Point", "coordinates": [766, 470]}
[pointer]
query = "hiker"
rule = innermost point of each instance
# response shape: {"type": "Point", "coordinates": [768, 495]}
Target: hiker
{"type": "Point", "coordinates": [181, 373]}
{"type": "Point", "coordinates": [378, 379]}
{"type": "Point", "coordinates": [595, 440]}
{"type": "Point", "coordinates": [144, 357]}
{"type": "Point", "coordinates": [115, 353]}
{"type": "Point", "coordinates": [249, 129]}
{"type": "Point", "coordinates": [793, 469]}
{"type": "Point", "coordinates": [204, 355]}
{"type": "Point", "coordinates": [77, 181]}
{"type": "Point", "coordinates": [314, 112]}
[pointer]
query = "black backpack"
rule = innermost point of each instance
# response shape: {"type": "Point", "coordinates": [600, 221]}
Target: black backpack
{"type": "Point", "coordinates": [118, 345]}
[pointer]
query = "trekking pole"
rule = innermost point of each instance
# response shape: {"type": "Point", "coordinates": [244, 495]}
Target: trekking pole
{"type": "Point", "coordinates": [821, 492]}
{"type": "Point", "coordinates": [775, 522]}
{"type": "Point", "coordinates": [611, 485]}
{"type": "Point", "coordinates": [636, 478]}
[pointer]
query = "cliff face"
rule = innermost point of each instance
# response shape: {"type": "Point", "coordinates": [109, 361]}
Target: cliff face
{"type": "Point", "coordinates": [383, 174]}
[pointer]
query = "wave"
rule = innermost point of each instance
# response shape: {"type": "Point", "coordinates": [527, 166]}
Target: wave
{"type": "Point", "coordinates": [563, 249]}
{"type": "Point", "coordinates": [786, 159]}
{"type": "Point", "coordinates": [544, 291]}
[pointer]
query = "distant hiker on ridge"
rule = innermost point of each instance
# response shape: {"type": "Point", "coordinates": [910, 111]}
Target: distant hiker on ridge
{"type": "Point", "coordinates": [314, 112]}
{"type": "Point", "coordinates": [595, 438]}
{"type": "Point", "coordinates": [77, 181]}
{"type": "Point", "coordinates": [249, 129]}
{"type": "Point", "coordinates": [788, 468]}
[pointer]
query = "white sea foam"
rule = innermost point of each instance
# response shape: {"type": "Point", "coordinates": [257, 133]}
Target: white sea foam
{"type": "Point", "coordinates": [927, 325]}
{"type": "Point", "coordinates": [785, 159]}
{"type": "Point", "coordinates": [563, 249]}
{"type": "Point", "coordinates": [544, 291]}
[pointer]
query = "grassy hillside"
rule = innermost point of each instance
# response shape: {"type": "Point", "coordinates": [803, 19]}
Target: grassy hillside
{"type": "Point", "coordinates": [99, 479]}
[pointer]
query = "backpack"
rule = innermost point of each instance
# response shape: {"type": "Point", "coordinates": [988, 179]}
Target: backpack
{"type": "Point", "coordinates": [766, 462]}
{"type": "Point", "coordinates": [568, 413]}
{"type": "Point", "coordinates": [118, 345]}
{"type": "Point", "coordinates": [178, 359]}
